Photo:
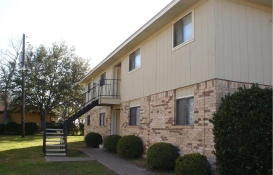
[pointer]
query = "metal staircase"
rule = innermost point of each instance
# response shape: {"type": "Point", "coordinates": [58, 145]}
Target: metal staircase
{"type": "Point", "coordinates": [55, 143]}
{"type": "Point", "coordinates": [55, 137]}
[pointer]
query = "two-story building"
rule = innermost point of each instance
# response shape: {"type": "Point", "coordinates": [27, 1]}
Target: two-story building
{"type": "Point", "coordinates": [166, 80]}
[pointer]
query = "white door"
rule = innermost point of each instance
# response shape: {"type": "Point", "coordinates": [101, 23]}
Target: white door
{"type": "Point", "coordinates": [115, 123]}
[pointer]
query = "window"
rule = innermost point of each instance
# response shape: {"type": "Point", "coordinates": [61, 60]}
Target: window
{"type": "Point", "coordinates": [183, 30]}
{"type": "Point", "coordinates": [89, 87]}
{"type": "Point", "coordinates": [102, 79]}
{"type": "Point", "coordinates": [88, 120]}
{"type": "Point", "coordinates": [102, 115]}
{"type": "Point", "coordinates": [184, 111]}
{"type": "Point", "coordinates": [134, 116]}
{"type": "Point", "coordinates": [134, 60]}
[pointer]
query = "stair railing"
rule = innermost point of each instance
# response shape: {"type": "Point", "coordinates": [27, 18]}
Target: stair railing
{"type": "Point", "coordinates": [65, 135]}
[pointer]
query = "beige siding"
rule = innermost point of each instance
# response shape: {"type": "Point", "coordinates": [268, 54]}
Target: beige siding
{"type": "Point", "coordinates": [243, 43]}
{"type": "Point", "coordinates": [163, 69]}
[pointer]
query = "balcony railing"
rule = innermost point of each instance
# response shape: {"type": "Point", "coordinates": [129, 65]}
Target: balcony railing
{"type": "Point", "coordinates": [107, 88]}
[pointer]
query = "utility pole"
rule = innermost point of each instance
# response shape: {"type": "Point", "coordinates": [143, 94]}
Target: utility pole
{"type": "Point", "coordinates": [23, 89]}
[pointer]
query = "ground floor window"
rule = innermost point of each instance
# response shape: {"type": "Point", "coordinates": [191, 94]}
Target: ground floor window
{"type": "Point", "coordinates": [135, 116]}
{"type": "Point", "coordinates": [88, 120]}
{"type": "Point", "coordinates": [102, 116]}
{"type": "Point", "coordinates": [184, 111]}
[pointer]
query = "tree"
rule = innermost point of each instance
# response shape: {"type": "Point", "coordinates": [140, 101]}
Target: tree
{"type": "Point", "coordinates": [8, 67]}
{"type": "Point", "coordinates": [52, 76]}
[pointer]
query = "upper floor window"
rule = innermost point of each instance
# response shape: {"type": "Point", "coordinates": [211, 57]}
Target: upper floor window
{"type": "Point", "coordinates": [183, 30]}
{"type": "Point", "coordinates": [135, 116]}
{"type": "Point", "coordinates": [89, 87]}
{"type": "Point", "coordinates": [184, 111]}
{"type": "Point", "coordinates": [102, 79]}
{"type": "Point", "coordinates": [134, 60]}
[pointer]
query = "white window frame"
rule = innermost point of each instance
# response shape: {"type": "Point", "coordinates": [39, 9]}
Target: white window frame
{"type": "Point", "coordinates": [137, 122]}
{"type": "Point", "coordinates": [188, 41]}
{"type": "Point", "coordinates": [102, 122]}
{"type": "Point", "coordinates": [176, 116]}
{"type": "Point", "coordinates": [135, 68]}
{"type": "Point", "coordinates": [88, 120]}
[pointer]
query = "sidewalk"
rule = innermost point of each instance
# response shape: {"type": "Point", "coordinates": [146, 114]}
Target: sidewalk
{"type": "Point", "coordinates": [114, 163]}
{"type": "Point", "coordinates": [118, 165]}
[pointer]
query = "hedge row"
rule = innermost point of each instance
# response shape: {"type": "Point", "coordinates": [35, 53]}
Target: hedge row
{"type": "Point", "coordinates": [13, 128]}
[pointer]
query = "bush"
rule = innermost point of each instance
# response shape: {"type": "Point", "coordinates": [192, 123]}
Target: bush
{"type": "Point", "coordinates": [130, 146]}
{"type": "Point", "coordinates": [2, 129]}
{"type": "Point", "coordinates": [31, 128]}
{"type": "Point", "coordinates": [72, 129]}
{"type": "Point", "coordinates": [243, 132]}
{"type": "Point", "coordinates": [110, 143]}
{"type": "Point", "coordinates": [13, 128]}
{"type": "Point", "coordinates": [93, 139]}
{"type": "Point", "coordinates": [81, 128]}
{"type": "Point", "coordinates": [192, 164]}
{"type": "Point", "coordinates": [162, 156]}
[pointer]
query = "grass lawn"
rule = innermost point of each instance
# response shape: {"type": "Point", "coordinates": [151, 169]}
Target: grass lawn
{"type": "Point", "coordinates": [25, 156]}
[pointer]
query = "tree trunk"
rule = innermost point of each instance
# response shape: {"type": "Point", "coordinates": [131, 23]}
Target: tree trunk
{"type": "Point", "coordinates": [5, 115]}
{"type": "Point", "coordinates": [42, 122]}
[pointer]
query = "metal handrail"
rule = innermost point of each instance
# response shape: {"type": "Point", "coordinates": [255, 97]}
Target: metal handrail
{"type": "Point", "coordinates": [105, 88]}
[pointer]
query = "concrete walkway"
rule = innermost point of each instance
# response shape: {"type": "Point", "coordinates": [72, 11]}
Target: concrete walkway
{"type": "Point", "coordinates": [115, 163]}
{"type": "Point", "coordinates": [118, 165]}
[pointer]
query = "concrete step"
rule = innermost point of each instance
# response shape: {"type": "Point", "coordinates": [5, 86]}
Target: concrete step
{"type": "Point", "coordinates": [59, 141]}
{"type": "Point", "coordinates": [54, 150]}
{"type": "Point", "coordinates": [55, 154]}
{"type": "Point", "coordinates": [50, 129]}
{"type": "Point", "coordinates": [54, 133]}
{"type": "Point", "coordinates": [55, 145]}
{"type": "Point", "coordinates": [54, 137]}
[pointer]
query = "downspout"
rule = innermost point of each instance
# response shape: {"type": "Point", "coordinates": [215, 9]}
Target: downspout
{"type": "Point", "coordinates": [204, 94]}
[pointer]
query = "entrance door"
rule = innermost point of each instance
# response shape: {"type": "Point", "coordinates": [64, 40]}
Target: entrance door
{"type": "Point", "coordinates": [115, 123]}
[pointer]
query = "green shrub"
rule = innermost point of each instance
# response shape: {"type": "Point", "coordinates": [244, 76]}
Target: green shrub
{"type": "Point", "coordinates": [31, 128]}
{"type": "Point", "coordinates": [192, 164]}
{"type": "Point", "coordinates": [130, 146]}
{"type": "Point", "coordinates": [13, 128]}
{"type": "Point", "coordinates": [162, 156]}
{"type": "Point", "coordinates": [243, 132]}
{"type": "Point", "coordinates": [110, 143]}
{"type": "Point", "coordinates": [72, 129]}
{"type": "Point", "coordinates": [81, 128]}
{"type": "Point", "coordinates": [2, 129]}
{"type": "Point", "coordinates": [93, 139]}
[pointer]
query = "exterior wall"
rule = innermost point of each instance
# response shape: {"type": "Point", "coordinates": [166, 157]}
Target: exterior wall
{"type": "Point", "coordinates": [243, 36]}
{"type": "Point", "coordinates": [94, 122]}
{"type": "Point", "coordinates": [163, 69]}
{"type": "Point", "coordinates": [157, 118]}
{"type": "Point", "coordinates": [29, 117]}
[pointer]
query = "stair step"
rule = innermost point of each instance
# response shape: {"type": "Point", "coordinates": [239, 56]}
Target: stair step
{"type": "Point", "coordinates": [54, 133]}
{"type": "Point", "coordinates": [53, 150]}
{"type": "Point", "coordinates": [50, 129]}
{"type": "Point", "coordinates": [59, 141]}
{"type": "Point", "coordinates": [52, 137]}
{"type": "Point", "coordinates": [55, 154]}
{"type": "Point", "coordinates": [56, 145]}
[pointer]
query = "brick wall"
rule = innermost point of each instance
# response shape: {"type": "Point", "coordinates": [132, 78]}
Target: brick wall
{"type": "Point", "coordinates": [94, 122]}
{"type": "Point", "coordinates": [158, 113]}
{"type": "Point", "coordinates": [157, 118]}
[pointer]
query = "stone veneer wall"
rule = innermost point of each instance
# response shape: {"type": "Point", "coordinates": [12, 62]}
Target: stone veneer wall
{"type": "Point", "coordinates": [157, 118]}
{"type": "Point", "coordinates": [94, 122]}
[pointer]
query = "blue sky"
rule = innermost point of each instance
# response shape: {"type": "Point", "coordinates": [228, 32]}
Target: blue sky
{"type": "Point", "coordinates": [94, 27]}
